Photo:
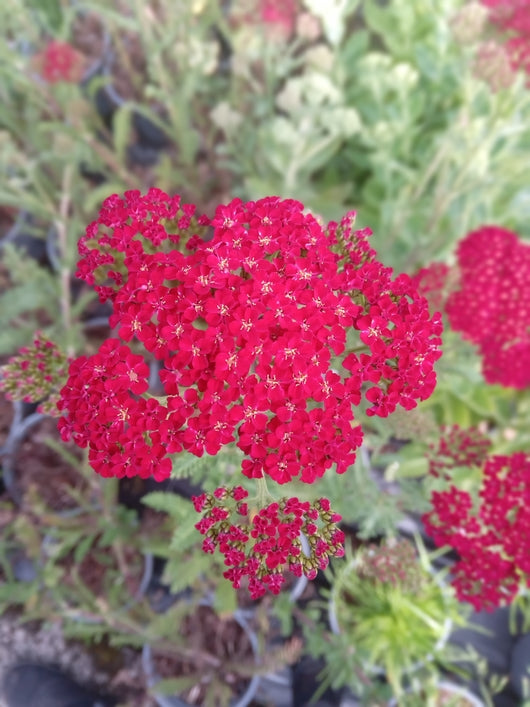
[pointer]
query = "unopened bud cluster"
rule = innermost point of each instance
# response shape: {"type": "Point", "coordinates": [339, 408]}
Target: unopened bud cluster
{"type": "Point", "coordinates": [393, 563]}
{"type": "Point", "coordinates": [263, 545]}
{"type": "Point", "coordinates": [36, 374]}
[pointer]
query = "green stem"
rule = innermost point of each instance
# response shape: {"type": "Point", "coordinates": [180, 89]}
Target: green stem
{"type": "Point", "coordinates": [62, 236]}
{"type": "Point", "coordinates": [263, 496]}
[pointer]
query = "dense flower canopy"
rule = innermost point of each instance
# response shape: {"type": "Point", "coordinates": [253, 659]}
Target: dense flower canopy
{"type": "Point", "coordinates": [270, 334]}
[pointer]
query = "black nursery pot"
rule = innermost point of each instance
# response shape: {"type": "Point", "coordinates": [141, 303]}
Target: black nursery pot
{"type": "Point", "coordinates": [25, 418]}
{"type": "Point", "coordinates": [22, 235]}
{"type": "Point", "coordinates": [150, 138]}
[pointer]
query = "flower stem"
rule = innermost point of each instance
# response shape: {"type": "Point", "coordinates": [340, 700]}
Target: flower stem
{"type": "Point", "coordinates": [263, 492]}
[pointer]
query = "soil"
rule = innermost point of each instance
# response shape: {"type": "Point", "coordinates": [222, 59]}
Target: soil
{"type": "Point", "coordinates": [93, 571]}
{"type": "Point", "coordinates": [220, 646]}
{"type": "Point", "coordinates": [43, 473]}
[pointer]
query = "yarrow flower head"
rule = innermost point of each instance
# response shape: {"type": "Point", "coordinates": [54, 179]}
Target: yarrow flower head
{"type": "Point", "coordinates": [489, 532]}
{"type": "Point", "coordinates": [268, 335]}
{"type": "Point", "coordinates": [36, 374]}
{"type": "Point", "coordinates": [490, 304]}
{"type": "Point", "coordinates": [261, 546]}
{"type": "Point", "coordinates": [258, 331]}
{"type": "Point", "coordinates": [60, 62]}
{"type": "Point", "coordinates": [279, 15]}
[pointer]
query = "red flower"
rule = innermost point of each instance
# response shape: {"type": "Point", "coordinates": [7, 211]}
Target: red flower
{"type": "Point", "coordinates": [252, 328]}
{"type": "Point", "coordinates": [279, 15]}
{"type": "Point", "coordinates": [489, 306]}
{"type": "Point", "coordinates": [489, 533]}
{"type": "Point", "coordinates": [60, 61]}
{"type": "Point", "coordinates": [271, 538]}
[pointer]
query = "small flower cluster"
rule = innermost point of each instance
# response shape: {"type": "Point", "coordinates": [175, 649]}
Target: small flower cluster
{"type": "Point", "coordinates": [490, 535]}
{"type": "Point", "coordinates": [253, 329]}
{"type": "Point", "coordinates": [491, 306]}
{"type": "Point", "coordinates": [262, 545]}
{"type": "Point", "coordinates": [60, 62]}
{"type": "Point", "coordinates": [458, 448]}
{"type": "Point", "coordinates": [393, 562]}
{"type": "Point", "coordinates": [36, 374]}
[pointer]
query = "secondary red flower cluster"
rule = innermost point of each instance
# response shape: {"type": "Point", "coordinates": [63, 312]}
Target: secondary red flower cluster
{"type": "Point", "coordinates": [254, 329]}
{"type": "Point", "coordinates": [512, 17]}
{"type": "Point", "coordinates": [488, 532]}
{"type": "Point", "coordinates": [488, 301]}
{"type": "Point", "coordinates": [262, 546]}
{"type": "Point", "coordinates": [279, 15]}
{"type": "Point", "coordinates": [491, 307]}
{"type": "Point", "coordinates": [60, 61]}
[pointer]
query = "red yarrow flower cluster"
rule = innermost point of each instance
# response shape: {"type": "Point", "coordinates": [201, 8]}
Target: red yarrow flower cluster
{"type": "Point", "coordinates": [489, 533]}
{"type": "Point", "coordinates": [60, 62]}
{"type": "Point", "coordinates": [258, 333]}
{"type": "Point", "coordinates": [261, 546]}
{"type": "Point", "coordinates": [512, 18]}
{"type": "Point", "coordinates": [491, 307]}
{"type": "Point", "coordinates": [36, 374]}
{"type": "Point", "coordinates": [279, 15]}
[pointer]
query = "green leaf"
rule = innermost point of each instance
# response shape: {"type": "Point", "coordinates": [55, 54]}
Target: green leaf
{"type": "Point", "coordinates": [51, 11]}
{"type": "Point", "coordinates": [121, 124]}
{"type": "Point", "coordinates": [225, 599]}
{"type": "Point", "coordinates": [181, 573]}
{"type": "Point", "coordinates": [176, 686]}
{"type": "Point", "coordinates": [169, 503]}
{"type": "Point", "coordinates": [82, 548]}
